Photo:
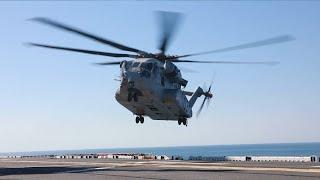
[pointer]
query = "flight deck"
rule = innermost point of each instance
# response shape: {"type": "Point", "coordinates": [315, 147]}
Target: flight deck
{"type": "Point", "coordinates": [46, 168]}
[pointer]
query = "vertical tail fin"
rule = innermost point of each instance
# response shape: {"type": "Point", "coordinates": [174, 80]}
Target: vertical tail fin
{"type": "Point", "coordinates": [195, 96]}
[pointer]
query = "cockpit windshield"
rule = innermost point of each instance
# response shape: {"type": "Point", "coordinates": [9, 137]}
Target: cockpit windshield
{"type": "Point", "coordinates": [135, 64]}
{"type": "Point", "coordinates": [147, 66]}
{"type": "Point", "coordinates": [145, 69]}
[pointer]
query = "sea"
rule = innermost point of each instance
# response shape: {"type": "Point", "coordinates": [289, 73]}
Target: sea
{"type": "Point", "coordinates": [278, 149]}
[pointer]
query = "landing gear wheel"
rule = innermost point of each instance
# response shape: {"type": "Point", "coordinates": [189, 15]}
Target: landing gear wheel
{"type": "Point", "coordinates": [183, 121]}
{"type": "Point", "coordinates": [140, 119]}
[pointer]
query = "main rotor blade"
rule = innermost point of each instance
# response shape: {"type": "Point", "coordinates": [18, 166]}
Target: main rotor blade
{"type": "Point", "coordinates": [187, 70]}
{"type": "Point", "coordinates": [229, 62]}
{"type": "Point", "coordinates": [169, 22]}
{"type": "Point", "coordinates": [108, 63]}
{"type": "Point", "coordinates": [85, 34]}
{"type": "Point", "coordinates": [83, 51]}
{"type": "Point", "coordinates": [274, 40]}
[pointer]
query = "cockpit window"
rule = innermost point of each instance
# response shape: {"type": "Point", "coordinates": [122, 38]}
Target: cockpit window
{"type": "Point", "coordinates": [147, 66]}
{"type": "Point", "coordinates": [145, 74]}
{"type": "Point", "coordinates": [135, 64]}
{"type": "Point", "coordinates": [154, 69]}
{"type": "Point", "coordinates": [146, 69]}
{"type": "Point", "coordinates": [124, 64]}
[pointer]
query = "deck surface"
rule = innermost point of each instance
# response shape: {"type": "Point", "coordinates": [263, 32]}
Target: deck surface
{"type": "Point", "coordinates": [38, 168]}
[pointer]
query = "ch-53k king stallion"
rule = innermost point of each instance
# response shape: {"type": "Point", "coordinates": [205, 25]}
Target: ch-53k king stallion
{"type": "Point", "coordinates": [151, 84]}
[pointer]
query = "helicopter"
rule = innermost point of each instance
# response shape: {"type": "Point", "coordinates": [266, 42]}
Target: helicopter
{"type": "Point", "coordinates": [150, 83]}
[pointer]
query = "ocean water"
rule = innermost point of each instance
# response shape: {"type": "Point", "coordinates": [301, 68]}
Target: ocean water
{"type": "Point", "coordinates": [281, 149]}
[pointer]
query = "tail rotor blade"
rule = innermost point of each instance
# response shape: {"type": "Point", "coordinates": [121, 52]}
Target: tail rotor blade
{"type": "Point", "coordinates": [208, 102]}
{"type": "Point", "coordinates": [201, 107]}
{"type": "Point", "coordinates": [207, 97]}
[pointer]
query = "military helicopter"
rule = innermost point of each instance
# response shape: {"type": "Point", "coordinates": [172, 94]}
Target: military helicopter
{"type": "Point", "coordinates": [150, 83]}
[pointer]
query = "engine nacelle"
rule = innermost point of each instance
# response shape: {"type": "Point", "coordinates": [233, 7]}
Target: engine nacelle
{"type": "Point", "coordinates": [173, 73]}
{"type": "Point", "coordinates": [183, 82]}
{"type": "Point", "coordinates": [169, 67]}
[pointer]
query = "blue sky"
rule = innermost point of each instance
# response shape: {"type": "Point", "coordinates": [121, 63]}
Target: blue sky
{"type": "Point", "coordinates": [57, 100]}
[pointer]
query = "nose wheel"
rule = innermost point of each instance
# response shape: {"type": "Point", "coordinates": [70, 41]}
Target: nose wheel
{"type": "Point", "coordinates": [140, 119]}
{"type": "Point", "coordinates": [183, 121]}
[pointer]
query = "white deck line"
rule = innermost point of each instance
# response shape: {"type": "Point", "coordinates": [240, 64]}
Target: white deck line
{"type": "Point", "coordinates": [243, 168]}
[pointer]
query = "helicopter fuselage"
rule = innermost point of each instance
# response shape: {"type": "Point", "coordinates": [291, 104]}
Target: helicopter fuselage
{"type": "Point", "coordinates": [151, 83]}
{"type": "Point", "coordinates": [145, 90]}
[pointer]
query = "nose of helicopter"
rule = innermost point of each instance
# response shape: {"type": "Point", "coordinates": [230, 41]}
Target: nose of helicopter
{"type": "Point", "coordinates": [130, 84]}
{"type": "Point", "coordinates": [133, 79]}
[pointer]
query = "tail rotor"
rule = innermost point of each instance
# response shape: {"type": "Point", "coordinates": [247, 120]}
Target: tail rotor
{"type": "Point", "coordinates": [207, 97]}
